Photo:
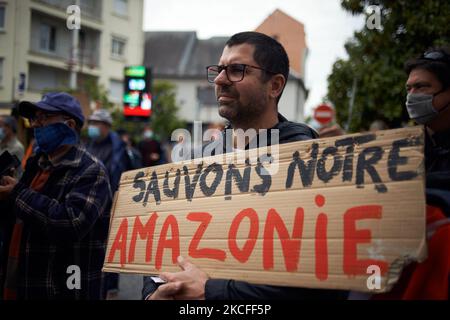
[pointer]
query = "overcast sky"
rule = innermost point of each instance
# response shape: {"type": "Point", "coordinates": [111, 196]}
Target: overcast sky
{"type": "Point", "coordinates": [327, 27]}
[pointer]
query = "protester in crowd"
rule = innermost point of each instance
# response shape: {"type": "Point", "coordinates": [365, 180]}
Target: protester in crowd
{"type": "Point", "coordinates": [150, 148]}
{"type": "Point", "coordinates": [8, 138]}
{"type": "Point", "coordinates": [58, 211]}
{"type": "Point", "coordinates": [10, 143]}
{"type": "Point", "coordinates": [427, 103]}
{"type": "Point", "coordinates": [249, 81]}
{"type": "Point", "coordinates": [378, 125]}
{"type": "Point", "coordinates": [106, 145]}
{"type": "Point", "coordinates": [134, 156]}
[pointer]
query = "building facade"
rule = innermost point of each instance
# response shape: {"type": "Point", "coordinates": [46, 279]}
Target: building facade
{"type": "Point", "coordinates": [291, 34]}
{"type": "Point", "coordinates": [36, 46]}
{"type": "Point", "coordinates": [181, 58]}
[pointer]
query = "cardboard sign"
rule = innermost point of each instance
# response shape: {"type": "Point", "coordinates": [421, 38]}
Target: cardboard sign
{"type": "Point", "coordinates": [345, 212]}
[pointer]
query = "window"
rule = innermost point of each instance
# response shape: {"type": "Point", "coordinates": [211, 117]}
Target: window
{"type": "Point", "coordinates": [118, 47]}
{"type": "Point", "coordinates": [90, 8]}
{"type": "Point", "coordinates": [88, 5]}
{"type": "Point", "coordinates": [116, 90]}
{"type": "Point", "coordinates": [206, 96]}
{"type": "Point", "coordinates": [2, 17]}
{"type": "Point", "coordinates": [1, 71]}
{"type": "Point", "coordinates": [121, 7]}
{"type": "Point", "coordinates": [47, 38]}
{"type": "Point", "coordinates": [82, 40]}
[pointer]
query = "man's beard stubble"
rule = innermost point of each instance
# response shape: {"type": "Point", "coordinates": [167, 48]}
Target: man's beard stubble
{"type": "Point", "coordinates": [235, 112]}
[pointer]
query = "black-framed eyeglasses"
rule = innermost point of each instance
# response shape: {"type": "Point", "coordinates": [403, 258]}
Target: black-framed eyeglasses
{"type": "Point", "coordinates": [436, 56]}
{"type": "Point", "coordinates": [43, 117]}
{"type": "Point", "coordinates": [235, 72]}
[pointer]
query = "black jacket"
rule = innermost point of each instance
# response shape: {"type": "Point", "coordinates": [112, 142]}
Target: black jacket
{"type": "Point", "coordinates": [288, 132]}
{"type": "Point", "coordinates": [437, 155]}
{"type": "Point", "coordinates": [222, 289]}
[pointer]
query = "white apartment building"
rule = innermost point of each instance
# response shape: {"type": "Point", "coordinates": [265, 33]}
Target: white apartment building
{"type": "Point", "coordinates": [36, 46]}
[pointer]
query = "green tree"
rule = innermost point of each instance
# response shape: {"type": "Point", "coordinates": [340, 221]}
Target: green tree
{"type": "Point", "coordinates": [97, 93]}
{"type": "Point", "coordinates": [164, 118]}
{"type": "Point", "coordinates": [377, 56]}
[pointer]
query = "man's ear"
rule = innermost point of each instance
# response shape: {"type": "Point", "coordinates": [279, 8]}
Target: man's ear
{"type": "Point", "coordinates": [72, 124]}
{"type": "Point", "coordinates": [277, 83]}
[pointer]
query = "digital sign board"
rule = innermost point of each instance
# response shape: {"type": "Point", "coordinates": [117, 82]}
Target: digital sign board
{"type": "Point", "coordinates": [137, 97]}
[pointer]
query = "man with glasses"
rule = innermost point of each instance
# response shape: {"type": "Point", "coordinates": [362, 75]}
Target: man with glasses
{"type": "Point", "coordinates": [58, 211]}
{"type": "Point", "coordinates": [249, 80]}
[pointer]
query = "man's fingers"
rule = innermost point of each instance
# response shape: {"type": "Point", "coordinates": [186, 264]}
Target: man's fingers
{"type": "Point", "coordinates": [8, 179]}
{"type": "Point", "coordinates": [167, 276]}
{"type": "Point", "coordinates": [169, 289]}
{"type": "Point", "coordinates": [184, 263]}
{"type": "Point", "coordinates": [166, 291]}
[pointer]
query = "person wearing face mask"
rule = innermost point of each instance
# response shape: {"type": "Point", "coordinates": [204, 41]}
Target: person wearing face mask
{"type": "Point", "coordinates": [107, 146]}
{"type": "Point", "coordinates": [8, 139]}
{"type": "Point", "coordinates": [150, 148]}
{"type": "Point", "coordinates": [428, 103]}
{"type": "Point", "coordinates": [58, 211]}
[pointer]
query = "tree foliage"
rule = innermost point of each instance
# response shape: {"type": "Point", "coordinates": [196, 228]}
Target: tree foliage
{"type": "Point", "coordinates": [376, 58]}
{"type": "Point", "coordinates": [164, 118]}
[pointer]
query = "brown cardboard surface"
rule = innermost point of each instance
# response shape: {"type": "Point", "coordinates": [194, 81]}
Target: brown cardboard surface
{"type": "Point", "coordinates": [321, 230]}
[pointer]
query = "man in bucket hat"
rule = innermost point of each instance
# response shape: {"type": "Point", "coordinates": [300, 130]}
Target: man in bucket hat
{"type": "Point", "coordinates": [58, 211]}
{"type": "Point", "coordinates": [106, 145]}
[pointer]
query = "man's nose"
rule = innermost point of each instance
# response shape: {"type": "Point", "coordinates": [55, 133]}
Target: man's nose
{"type": "Point", "coordinates": [222, 79]}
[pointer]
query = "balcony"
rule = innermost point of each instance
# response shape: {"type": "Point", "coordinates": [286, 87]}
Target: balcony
{"type": "Point", "coordinates": [44, 78]}
{"type": "Point", "coordinates": [50, 38]}
{"type": "Point", "coordinates": [91, 9]}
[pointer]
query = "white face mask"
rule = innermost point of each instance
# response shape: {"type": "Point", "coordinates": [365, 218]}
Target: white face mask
{"type": "Point", "coordinates": [420, 107]}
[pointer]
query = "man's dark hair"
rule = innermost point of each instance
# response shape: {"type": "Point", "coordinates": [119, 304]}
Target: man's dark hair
{"type": "Point", "coordinates": [269, 53]}
{"type": "Point", "coordinates": [435, 61]}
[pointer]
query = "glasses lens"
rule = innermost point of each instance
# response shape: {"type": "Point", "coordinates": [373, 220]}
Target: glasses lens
{"type": "Point", "coordinates": [212, 73]}
{"type": "Point", "coordinates": [235, 72]}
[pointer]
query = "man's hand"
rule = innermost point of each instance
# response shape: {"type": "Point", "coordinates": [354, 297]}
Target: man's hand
{"type": "Point", "coordinates": [7, 184]}
{"type": "Point", "coordinates": [191, 281]}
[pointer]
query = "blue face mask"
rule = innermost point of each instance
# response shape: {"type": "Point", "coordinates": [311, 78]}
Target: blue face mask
{"type": "Point", "coordinates": [2, 134]}
{"type": "Point", "coordinates": [93, 132]}
{"type": "Point", "coordinates": [51, 137]}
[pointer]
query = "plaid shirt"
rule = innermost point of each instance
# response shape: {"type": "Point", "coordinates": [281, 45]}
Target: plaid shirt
{"type": "Point", "coordinates": [64, 224]}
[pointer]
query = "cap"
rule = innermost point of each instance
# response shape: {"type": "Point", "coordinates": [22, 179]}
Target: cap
{"type": "Point", "coordinates": [53, 102]}
{"type": "Point", "coordinates": [101, 115]}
